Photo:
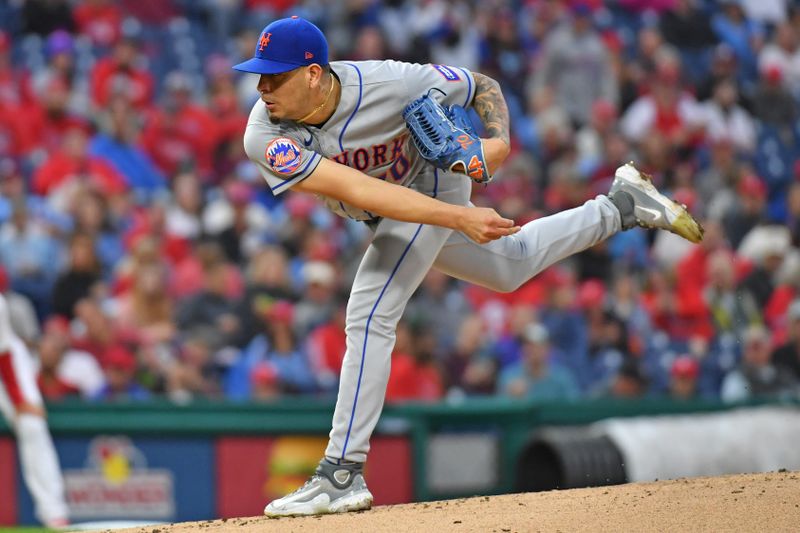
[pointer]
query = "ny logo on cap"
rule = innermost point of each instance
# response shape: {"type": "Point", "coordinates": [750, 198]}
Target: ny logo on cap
{"type": "Point", "coordinates": [264, 41]}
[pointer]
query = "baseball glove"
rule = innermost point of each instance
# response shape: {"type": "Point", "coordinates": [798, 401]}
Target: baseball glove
{"type": "Point", "coordinates": [445, 137]}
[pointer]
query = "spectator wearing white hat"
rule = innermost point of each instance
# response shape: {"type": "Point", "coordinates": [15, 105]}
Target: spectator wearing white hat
{"type": "Point", "coordinates": [318, 300]}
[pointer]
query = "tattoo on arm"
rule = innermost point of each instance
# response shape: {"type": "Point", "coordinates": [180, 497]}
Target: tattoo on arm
{"type": "Point", "coordinates": [491, 107]}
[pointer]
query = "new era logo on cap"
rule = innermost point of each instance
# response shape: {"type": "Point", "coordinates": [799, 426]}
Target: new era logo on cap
{"type": "Point", "coordinates": [285, 45]}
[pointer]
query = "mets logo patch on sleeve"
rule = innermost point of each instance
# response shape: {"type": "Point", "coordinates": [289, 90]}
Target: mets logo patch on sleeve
{"type": "Point", "coordinates": [448, 73]}
{"type": "Point", "coordinates": [283, 155]}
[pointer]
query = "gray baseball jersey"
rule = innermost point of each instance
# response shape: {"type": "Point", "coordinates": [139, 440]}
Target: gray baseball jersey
{"type": "Point", "coordinates": [367, 132]}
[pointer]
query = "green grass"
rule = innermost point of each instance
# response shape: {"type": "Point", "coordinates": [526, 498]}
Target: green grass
{"type": "Point", "coordinates": [26, 529]}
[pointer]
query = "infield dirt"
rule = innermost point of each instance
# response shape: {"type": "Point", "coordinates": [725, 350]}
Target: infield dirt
{"type": "Point", "coordinates": [751, 502]}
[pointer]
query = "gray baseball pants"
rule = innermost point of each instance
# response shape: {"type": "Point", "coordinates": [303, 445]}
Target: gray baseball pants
{"type": "Point", "coordinates": [395, 264]}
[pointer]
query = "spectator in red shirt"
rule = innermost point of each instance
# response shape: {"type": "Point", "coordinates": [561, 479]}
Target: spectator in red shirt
{"type": "Point", "coordinates": [65, 372]}
{"type": "Point", "coordinates": [181, 134]}
{"type": "Point", "coordinates": [151, 223]}
{"type": "Point", "coordinates": [122, 73]}
{"type": "Point", "coordinates": [413, 377]}
{"type": "Point", "coordinates": [100, 20]}
{"type": "Point", "coordinates": [17, 100]}
{"type": "Point", "coordinates": [53, 119]}
{"type": "Point", "coordinates": [666, 110]}
{"type": "Point", "coordinates": [326, 346]}
{"type": "Point", "coordinates": [52, 347]}
{"type": "Point", "coordinates": [73, 163]}
{"type": "Point", "coordinates": [16, 138]}
{"type": "Point", "coordinates": [679, 311]}
{"type": "Point", "coordinates": [677, 306]}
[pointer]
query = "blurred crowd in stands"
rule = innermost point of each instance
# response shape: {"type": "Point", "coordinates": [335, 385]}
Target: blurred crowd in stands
{"type": "Point", "coordinates": [143, 255]}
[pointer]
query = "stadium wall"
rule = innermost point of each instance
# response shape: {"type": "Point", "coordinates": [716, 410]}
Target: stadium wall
{"type": "Point", "coordinates": [161, 461]}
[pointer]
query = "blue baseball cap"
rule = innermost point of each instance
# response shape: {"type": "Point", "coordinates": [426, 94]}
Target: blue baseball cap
{"type": "Point", "coordinates": [286, 44]}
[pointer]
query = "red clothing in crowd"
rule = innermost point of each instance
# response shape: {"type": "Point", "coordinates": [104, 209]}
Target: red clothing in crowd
{"type": "Point", "coordinates": [231, 122]}
{"type": "Point", "coordinates": [327, 345]}
{"type": "Point", "coordinates": [189, 278]}
{"type": "Point", "coordinates": [151, 13]}
{"type": "Point", "coordinates": [276, 6]}
{"type": "Point", "coordinates": [187, 136]}
{"type": "Point", "coordinates": [31, 127]}
{"type": "Point", "coordinates": [50, 129]}
{"type": "Point", "coordinates": [17, 102]}
{"type": "Point", "coordinates": [685, 313]}
{"type": "Point", "coordinates": [61, 168]}
{"type": "Point", "coordinates": [776, 310]}
{"type": "Point", "coordinates": [533, 292]}
{"type": "Point", "coordinates": [173, 248]}
{"type": "Point", "coordinates": [410, 381]}
{"type": "Point", "coordinates": [668, 120]}
{"type": "Point", "coordinates": [102, 22]}
{"type": "Point", "coordinates": [54, 388]}
{"type": "Point", "coordinates": [16, 137]}
{"type": "Point", "coordinates": [109, 78]}
{"type": "Point", "coordinates": [51, 119]}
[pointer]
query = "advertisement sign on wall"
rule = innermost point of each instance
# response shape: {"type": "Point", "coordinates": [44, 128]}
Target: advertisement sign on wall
{"type": "Point", "coordinates": [118, 477]}
{"type": "Point", "coordinates": [254, 470]}
{"type": "Point", "coordinates": [116, 482]}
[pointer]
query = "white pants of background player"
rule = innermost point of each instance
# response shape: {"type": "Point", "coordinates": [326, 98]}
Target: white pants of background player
{"type": "Point", "coordinates": [40, 467]}
{"type": "Point", "coordinates": [396, 262]}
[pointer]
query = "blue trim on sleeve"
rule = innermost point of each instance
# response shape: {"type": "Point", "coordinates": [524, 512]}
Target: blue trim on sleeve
{"type": "Point", "coordinates": [469, 85]}
{"type": "Point", "coordinates": [301, 176]}
{"type": "Point", "coordinates": [358, 104]}
{"type": "Point", "coordinates": [366, 336]}
{"type": "Point", "coordinates": [436, 182]}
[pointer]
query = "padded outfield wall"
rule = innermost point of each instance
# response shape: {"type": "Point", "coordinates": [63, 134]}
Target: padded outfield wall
{"type": "Point", "coordinates": [162, 462]}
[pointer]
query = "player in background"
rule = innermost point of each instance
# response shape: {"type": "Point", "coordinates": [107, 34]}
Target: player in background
{"type": "Point", "coordinates": [331, 129]}
{"type": "Point", "coordinates": [23, 409]}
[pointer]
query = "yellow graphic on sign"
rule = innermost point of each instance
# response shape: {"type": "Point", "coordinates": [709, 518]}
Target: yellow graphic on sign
{"type": "Point", "coordinates": [292, 461]}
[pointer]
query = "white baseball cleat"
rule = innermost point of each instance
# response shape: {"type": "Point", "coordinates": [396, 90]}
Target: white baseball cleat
{"type": "Point", "coordinates": [640, 203]}
{"type": "Point", "coordinates": [332, 489]}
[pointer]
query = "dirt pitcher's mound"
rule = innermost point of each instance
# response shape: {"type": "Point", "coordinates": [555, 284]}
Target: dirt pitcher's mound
{"type": "Point", "coordinates": [753, 502]}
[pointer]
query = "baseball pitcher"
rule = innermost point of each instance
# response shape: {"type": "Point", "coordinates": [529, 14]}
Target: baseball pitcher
{"type": "Point", "coordinates": [388, 143]}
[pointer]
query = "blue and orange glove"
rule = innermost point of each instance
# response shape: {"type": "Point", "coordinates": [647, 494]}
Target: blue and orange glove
{"type": "Point", "coordinates": [445, 137]}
